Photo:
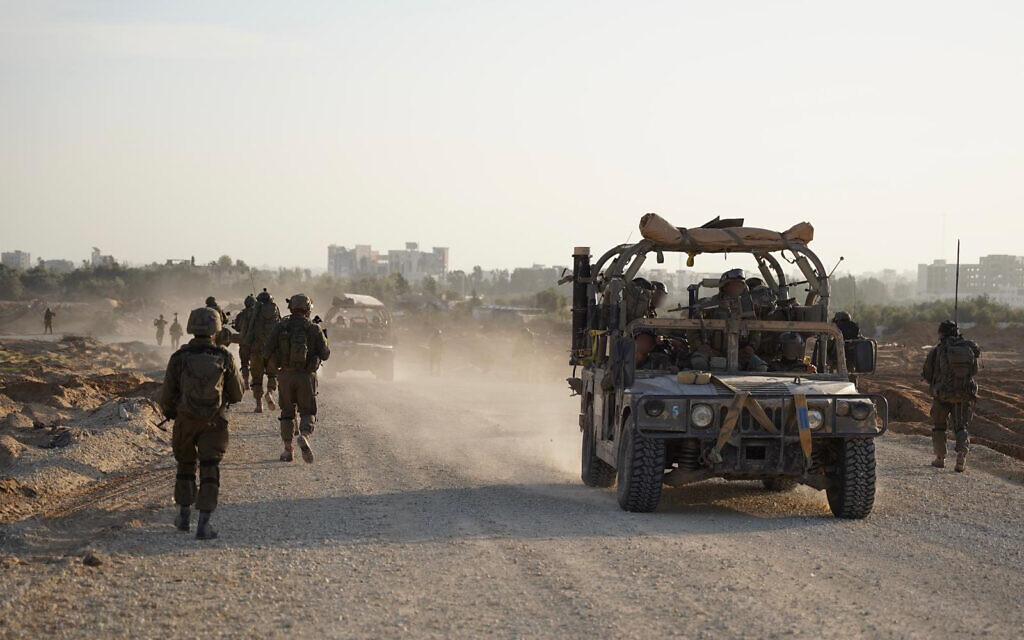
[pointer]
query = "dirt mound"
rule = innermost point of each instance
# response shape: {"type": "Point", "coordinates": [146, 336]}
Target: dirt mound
{"type": "Point", "coordinates": [71, 412]}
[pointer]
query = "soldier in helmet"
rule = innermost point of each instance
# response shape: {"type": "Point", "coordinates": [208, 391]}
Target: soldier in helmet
{"type": "Point", "coordinates": [48, 316]}
{"type": "Point", "coordinates": [175, 332]}
{"type": "Point", "coordinates": [791, 355]}
{"type": "Point", "coordinates": [223, 337]}
{"type": "Point", "coordinates": [160, 323]}
{"type": "Point", "coordinates": [241, 325]}
{"type": "Point", "coordinates": [733, 301]}
{"type": "Point", "coordinates": [659, 294]}
{"type": "Point", "coordinates": [262, 321]}
{"type": "Point", "coordinates": [202, 379]}
{"type": "Point", "coordinates": [949, 370]}
{"type": "Point", "coordinates": [297, 346]}
{"type": "Point", "coordinates": [849, 328]}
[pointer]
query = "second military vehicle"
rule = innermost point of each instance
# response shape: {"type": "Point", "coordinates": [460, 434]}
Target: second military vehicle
{"type": "Point", "coordinates": [359, 327]}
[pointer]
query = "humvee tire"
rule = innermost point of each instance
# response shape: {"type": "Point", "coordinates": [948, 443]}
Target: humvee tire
{"type": "Point", "coordinates": [779, 485]}
{"type": "Point", "coordinates": [594, 471]}
{"type": "Point", "coordinates": [852, 493]}
{"type": "Point", "coordinates": [641, 470]}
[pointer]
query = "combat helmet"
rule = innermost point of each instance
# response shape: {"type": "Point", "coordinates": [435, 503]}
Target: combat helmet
{"type": "Point", "coordinates": [948, 328]}
{"type": "Point", "coordinates": [264, 296]}
{"type": "Point", "coordinates": [250, 301]}
{"type": "Point", "coordinates": [732, 275]}
{"type": "Point", "coordinates": [842, 316]}
{"type": "Point", "coordinates": [203, 321]}
{"type": "Point", "coordinates": [300, 302]}
{"type": "Point", "coordinates": [211, 302]}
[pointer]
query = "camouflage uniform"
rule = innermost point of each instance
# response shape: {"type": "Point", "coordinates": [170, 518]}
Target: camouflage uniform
{"type": "Point", "coordinates": [175, 332]}
{"type": "Point", "coordinates": [947, 407]}
{"type": "Point", "coordinates": [160, 323]}
{"type": "Point", "coordinates": [264, 318]}
{"type": "Point", "coordinates": [195, 438]}
{"type": "Point", "coordinates": [223, 337]}
{"type": "Point", "coordinates": [241, 325]}
{"type": "Point", "coordinates": [297, 381]}
{"type": "Point", "coordinates": [48, 320]}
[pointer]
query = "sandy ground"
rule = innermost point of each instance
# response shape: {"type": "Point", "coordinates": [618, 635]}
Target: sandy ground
{"type": "Point", "coordinates": [439, 508]}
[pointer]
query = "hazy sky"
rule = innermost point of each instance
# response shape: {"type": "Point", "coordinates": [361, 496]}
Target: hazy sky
{"type": "Point", "coordinates": [509, 131]}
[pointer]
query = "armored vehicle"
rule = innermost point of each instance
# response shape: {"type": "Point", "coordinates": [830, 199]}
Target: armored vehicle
{"type": "Point", "coordinates": [708, 406]}
{"type": "Point", "coordinates": [360, 331]}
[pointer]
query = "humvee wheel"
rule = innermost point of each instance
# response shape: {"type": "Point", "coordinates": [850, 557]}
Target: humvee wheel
{"type": "Point", "coordinates": [852, 493]}
{"type": "Point", "coordinates": [779, 485]}
{"type": "Point", "coordinates": [641, 470]}
{"type": "Point", "coordinates": [594, 471]}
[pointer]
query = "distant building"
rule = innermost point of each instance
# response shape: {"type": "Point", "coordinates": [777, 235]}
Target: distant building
{"type": "Point", "coordinates": [18, 260]}
{"type": "Point", "coordinates": [99, 260]}
{"type": "Point", "coordinates": [1000, 277]}
{"type": "Point", "coordinates": [363, 260]}
{"type": "Point", "coordinates": [58, 266]}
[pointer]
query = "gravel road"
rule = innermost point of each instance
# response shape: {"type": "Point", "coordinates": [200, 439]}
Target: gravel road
{"type": "Point", "coordinates": [441, 508]}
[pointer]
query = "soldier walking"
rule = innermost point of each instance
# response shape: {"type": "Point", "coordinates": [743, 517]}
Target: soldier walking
{"type": "Point", "coordinates": [241, 325]}
{"type": "Point", "coordinates": [223, 337]}
{"type": "Point", "coordinates": [175, 332]}
{"type": "Point", "coordinates": [264, 318]}
{"type": "Point", "coordinates": [201, 381]}
{"type": "Point", "coordinates": [950, 370]}
{"type": "Point", "coordinates": [297, 346]}
{"type": "Point", "coordinates": [160, 323]}
{"type": "Point", "coordinates": [48, 321]}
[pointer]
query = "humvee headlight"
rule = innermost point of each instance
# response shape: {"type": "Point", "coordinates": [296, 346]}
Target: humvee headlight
{"type": "Point", "coordinates": [654, 408]}
{"type": "Point", "coordinates": [701, 416]}
{"type": "Point", "coordinates": [815, 419]}
{"type": "Point", "coordinates": [861, 410]}
{"type": "Point", "coordinates": [842, 408]}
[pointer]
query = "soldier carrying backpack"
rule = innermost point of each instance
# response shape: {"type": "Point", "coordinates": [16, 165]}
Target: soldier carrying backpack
{"type": "Point", "coordinates": [297, 346]}
{"type": "Point", "coordinates": [950, 370]}
{"type": "Point", "coordinates": [241, 325]}
{"type": "Point", "coordinates": [261, 323]}
{"type": "Point", "coordinates": [202, 378]}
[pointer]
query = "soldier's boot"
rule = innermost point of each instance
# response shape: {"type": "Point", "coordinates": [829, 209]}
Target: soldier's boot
{"type": "Point", "coordinates": [183, 521]}
{"type": "Point", "coordinates": [259, 404]}
{"type": "Point", "coordinates": [204, 531]}
{"type": "Point", "coordinates": [939, 446]}
{"type": "Point", "coordinates": [307, 452]}
{"type": "Point", "coordinates": [245, 379]}
{"type": "Point", "coordinates": [961, 461]}
{"type": "Point", "coordinates": [287, 455]}
{"type": "Point", "coordinates": [270, 401]}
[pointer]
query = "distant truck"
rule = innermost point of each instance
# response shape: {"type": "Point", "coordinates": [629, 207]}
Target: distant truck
{"type": "Point", "coordinates": [360, 330]}
{"type": "Point", "coordinates": [643, 429]}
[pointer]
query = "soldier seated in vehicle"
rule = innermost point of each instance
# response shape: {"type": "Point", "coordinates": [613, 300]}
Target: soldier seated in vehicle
{"type": "Point", "coordinates": [659, 295]}
{"type": "Point", "coordinates": [791, 355]}
{"type": "Point", "coordinates": [733, 301]}
{"type": "Point", "coordinates": [648, 356]}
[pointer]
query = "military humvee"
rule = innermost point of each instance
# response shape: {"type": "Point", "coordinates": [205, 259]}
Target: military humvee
{"type": "Point", "coordinates": [359, 328]}
{"type": "Point", "coordinates": [647, 428]}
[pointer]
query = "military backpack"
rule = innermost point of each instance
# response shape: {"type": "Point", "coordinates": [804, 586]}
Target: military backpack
{"type": "Point", "coordinates": [202, 383]}
{"type": "Point", "coordinates": [293, 346]}
{"type": "Point", "coordinates": [264, 318]}
{"type": "Point", "coordinates": [956, 365]}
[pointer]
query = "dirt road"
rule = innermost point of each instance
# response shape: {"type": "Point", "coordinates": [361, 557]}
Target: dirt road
{"type": "Point", "coordinates": [439, 508]}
